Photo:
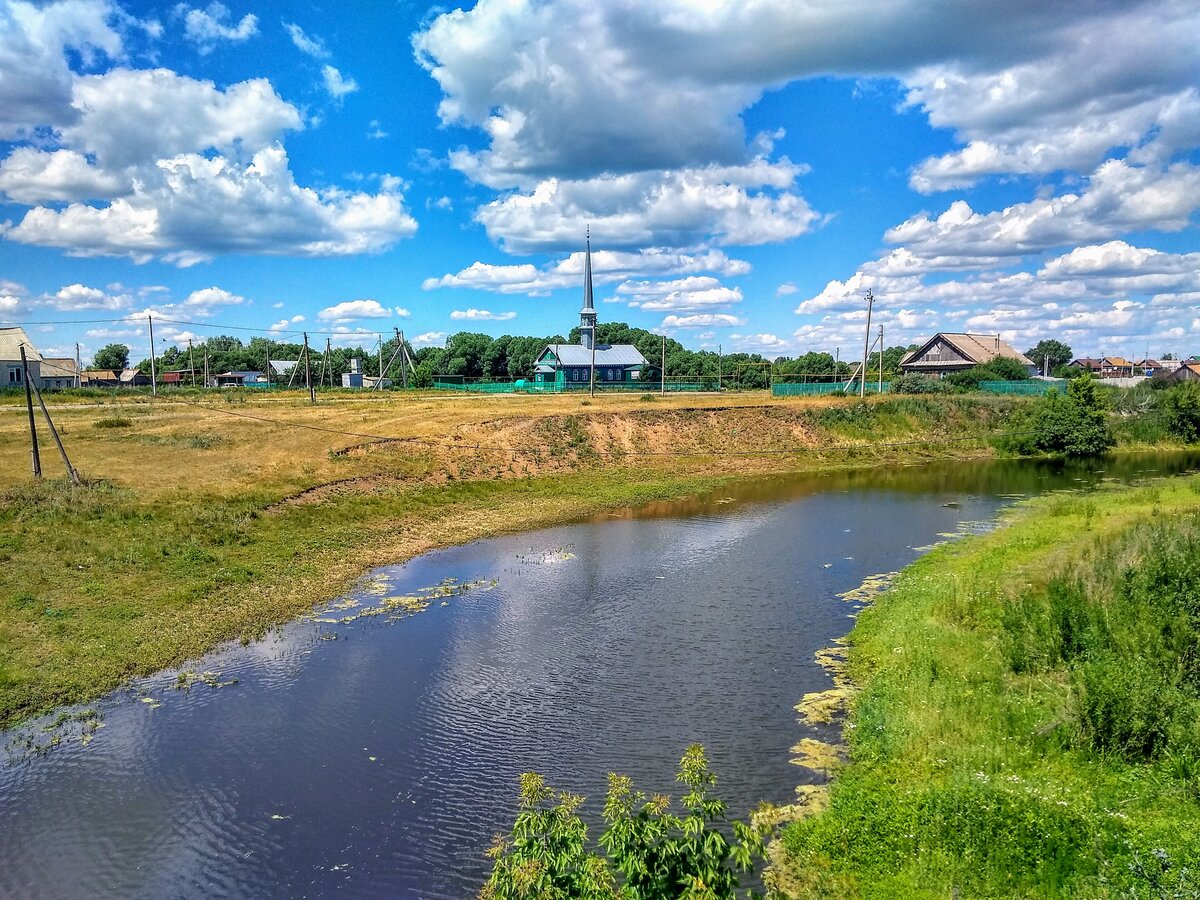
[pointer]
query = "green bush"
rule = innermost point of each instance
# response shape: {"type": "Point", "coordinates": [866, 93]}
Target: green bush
{"type": "Point", "coordinates": [916, 383]}
{"type": "Point", "coordinates": [1074, 424]}
{"type": "Point", "coordinates": [1180, 411]}
{"type": "Point", "coordinates": [649, 852]}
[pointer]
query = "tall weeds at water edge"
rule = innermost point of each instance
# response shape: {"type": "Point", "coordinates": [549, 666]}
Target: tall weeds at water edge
{"type": "Point", "coordinates": [1125, 629]}
{"type": "Point", "coordinates": [1054, 749]}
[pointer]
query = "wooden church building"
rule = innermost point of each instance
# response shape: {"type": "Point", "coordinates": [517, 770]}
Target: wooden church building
{"type": "Point", "coordinates": [570, 365]}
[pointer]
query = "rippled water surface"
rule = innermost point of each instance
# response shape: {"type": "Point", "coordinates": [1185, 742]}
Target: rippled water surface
{"type": "Point", "coordinates": [377, 756]}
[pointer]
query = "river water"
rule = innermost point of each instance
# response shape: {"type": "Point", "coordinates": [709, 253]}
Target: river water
{"type": "Point", "coordinates": [376, 755]}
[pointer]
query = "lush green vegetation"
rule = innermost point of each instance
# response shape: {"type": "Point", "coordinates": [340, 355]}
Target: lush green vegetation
{"type": "Point", "coordinates": [647, 852]}
{"type": "Point", "coordinates": [1029, 716]}
{"type": "Point", "coordinates": [1071, 424]}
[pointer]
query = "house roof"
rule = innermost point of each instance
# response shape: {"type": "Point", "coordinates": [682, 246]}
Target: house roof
{"type": "Point", "coordinates": [1148, 363]}
{"type": "Point", "coordinates": [11, 340]}
{"type": "Point", "coordinates": [283, 366]}
{"type": "Point", "coordinates": [102, 374]}
{"type": "Point", "coordinates": [130, 375]}
{"type": "Point", "coordinates": [977, 348]}
{"type": "Point", "coordinates": [59, 367]}
{"type": "Point", "coordinates": [1086, 362]}
{"type": "Point", "coordinates": [606, 355]}
{"type": "Point", "coordinates": [1119, 361]}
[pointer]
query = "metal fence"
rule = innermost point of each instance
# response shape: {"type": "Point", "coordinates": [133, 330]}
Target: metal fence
{"type": "Point", "coordinates": [523, 386]}
{"type": "Point", "coordinates": [817, 389]}
{"type": "Point", "coordinates": [1033, 386]}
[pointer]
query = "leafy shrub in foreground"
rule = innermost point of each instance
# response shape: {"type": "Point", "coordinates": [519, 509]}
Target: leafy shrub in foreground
{"type": "Point", "coordinates": [1074, 424]}
{"type": "Point", "coordinates": [652, 854]}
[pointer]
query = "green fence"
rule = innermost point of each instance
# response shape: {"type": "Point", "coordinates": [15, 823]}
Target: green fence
{"type": "Point", "coordinates": [818, 388]}
{"type": "Point", "coordinates": [533, 387]}
{"type": "Point", "coordinates": [1023, 387]}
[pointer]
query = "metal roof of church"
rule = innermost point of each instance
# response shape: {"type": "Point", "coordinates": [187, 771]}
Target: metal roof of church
{"type": "Point", "coordinates": [606, 355]}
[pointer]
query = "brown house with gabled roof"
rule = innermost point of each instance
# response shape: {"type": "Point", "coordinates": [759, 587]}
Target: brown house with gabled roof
{"type": "Point", "coordinates": [948, 352]}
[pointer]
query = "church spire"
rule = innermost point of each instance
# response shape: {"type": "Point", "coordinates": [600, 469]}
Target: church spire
{"type": "Point", "coordinates": [587, 315]}
{"type": "Point", "coordinates": [587, 272]}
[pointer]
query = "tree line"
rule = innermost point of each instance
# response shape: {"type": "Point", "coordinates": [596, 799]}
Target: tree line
{"type": "Point", "coordinates": [473, 355]}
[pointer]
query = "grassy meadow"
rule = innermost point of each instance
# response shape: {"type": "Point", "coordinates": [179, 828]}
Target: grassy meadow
{"type": "Point", "coordinates": [1027, 722]}
{"type": "Point", "coordinates": [206, 518]}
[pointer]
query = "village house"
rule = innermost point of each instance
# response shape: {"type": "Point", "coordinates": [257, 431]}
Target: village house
{"type": "Point", "coordinates": [59, 372]}
{"type": "Point", "coordinates": [1148, 367]}
{"type": "Point", "coordinates": [948, 352]}
{"type": "Point", "coordinates": [100, 378]}
{"type": "Point", "coordinates": [1115, 367]}
{"type": "Point", "coordinates": [236, 379]}
{"type": "Point", "coordinates": [11, 373]}
{"type": "Point", "coordinates": [570, 365]}
{"type": "Point", "coordinates": [1087, 364]}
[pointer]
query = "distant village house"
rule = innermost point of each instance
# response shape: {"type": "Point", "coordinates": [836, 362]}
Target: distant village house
{"type": "Point", "coordinates": [948, 352]}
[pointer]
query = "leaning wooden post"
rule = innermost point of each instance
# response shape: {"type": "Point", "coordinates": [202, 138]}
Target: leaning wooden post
{"type": "Point", "coordinates": [153, 367]}
{"type": "Point", "coordinates": [62, 451]}
{"type": "Point", "coordinates": [37, 459]}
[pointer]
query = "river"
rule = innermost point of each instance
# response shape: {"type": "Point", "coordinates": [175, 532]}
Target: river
{"type": "Point", "coordinates": [376, 754]}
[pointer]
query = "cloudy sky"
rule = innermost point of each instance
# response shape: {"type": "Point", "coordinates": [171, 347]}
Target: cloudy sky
{"type": "Point", "coordinates": [749, 168]}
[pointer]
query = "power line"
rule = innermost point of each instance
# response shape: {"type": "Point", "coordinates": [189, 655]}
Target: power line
{"type": "Point", "coordinates": [517, 451]}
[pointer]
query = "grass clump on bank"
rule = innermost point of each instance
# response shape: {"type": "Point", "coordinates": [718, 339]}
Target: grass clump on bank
{"type": "Point", "coordinates": [1029, 719]}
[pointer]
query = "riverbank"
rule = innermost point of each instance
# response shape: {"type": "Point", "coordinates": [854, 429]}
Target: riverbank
{"type": "Point", "coordinates": [204, 523]}
{"type": "Point", "coordinates": [1027, 716]}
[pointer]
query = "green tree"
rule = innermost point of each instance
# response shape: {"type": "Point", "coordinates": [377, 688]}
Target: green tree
{"type": "Point", "coordinates": [1048, 355]}
{"type": "Point", "coordinates": [1180, 411]}
{"type": "Point", "coordinates": [1071, 424]}
{"type": "Point", "coordinates": [112, 356]}
{"type": "Point", "coordinates": [650, 853]}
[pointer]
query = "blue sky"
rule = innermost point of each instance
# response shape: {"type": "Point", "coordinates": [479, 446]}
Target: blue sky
{"type": "Point", "coordinates": [749, 169]}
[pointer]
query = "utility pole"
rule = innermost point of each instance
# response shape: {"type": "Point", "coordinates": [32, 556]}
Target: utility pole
{"type": "Point", "coordinates": [33, 443]}
{"type": "Point", "coordinates": [880, 359]}
{"type": "Point", "coordinates": [312, 391]}
{"type": "Point", "coordinates": [380, 356]}
{"type": "Point", "coordinates": [862, 385]}
{"type": "Point", "coordinates": [267, 372]}
{"type": "Point", "coordinates": [206, 364]}
{"type": "Point", "coordinates": [662, 388]}
{"type": "Point", "coordinates": [403, 358]}
{"type": "Point", "coordinates": [153, 368]}
{"type": "Point", "coordinates": [329, 360]}
{"type": "Point", "coordinates": [54, 434]}
{"type": "Point", "coordinates": [79, 367]}
{"type": "Point", "coordinates": [592, 383]}
{"type": "Point", "coordinates": [718, 368]}
{"type": "Point", "coordinates": [192, 362]}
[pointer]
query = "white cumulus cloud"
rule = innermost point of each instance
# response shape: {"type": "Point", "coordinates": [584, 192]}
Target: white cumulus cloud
{"type": "Point", "coordinates": [208, 27]}
{"type": "Point", "coordinates": [355, 309]}
{"type": "Point", "coordinates": [482, 315]}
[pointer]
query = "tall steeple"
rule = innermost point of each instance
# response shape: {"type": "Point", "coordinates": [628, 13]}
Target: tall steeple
{"type": "Point", "coordinates": [587, 315]}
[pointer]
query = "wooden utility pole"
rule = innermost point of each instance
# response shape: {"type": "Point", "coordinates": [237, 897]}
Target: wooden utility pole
{"type": "Point", "coordinates": [308, 382]}
{"type": "Point", "coordinates": [54, 434]}
{"type": "Point", "coordinates": [33, 443]}
{"type": "Point", "coordinates": [380, 357]}
{"type": "Point", "coordinates": [329, 360]}
{"type": "Point", "coordinates": [206, 364]}
{"type": "Point", "coordinates": [153, 368]}
{"type": "Point", "coordinates": [192, 361]}
{"type": "Point", "coordinates": [662, 387]}
{"type": "Point", "coordinates": [78, 367]}
{"type": "Point", "coordinates": [881, 359]}
{"type": "Point", "coordinates": [862, 385]}
{"type": "Point", "coordinates": [718, 368]}
{"type": "Point", "coordinates": [267, 371]}
{"type": "Point", "coordinates": [403, 358]}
